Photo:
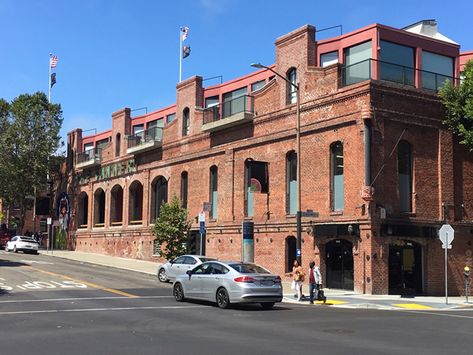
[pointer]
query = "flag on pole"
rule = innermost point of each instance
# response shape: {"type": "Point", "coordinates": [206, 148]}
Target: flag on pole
{"type": "Point", "coordinates": [186, 51]}
{"type": "Point", "coordinates": [184, 33]}
{"type": "Point", "coordinates": [53, 61]}
{"type": "Point", "coordinates": [53, 79]}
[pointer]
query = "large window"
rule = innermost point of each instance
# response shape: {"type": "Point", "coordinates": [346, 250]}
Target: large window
{"type": "Point", "coordinates": [213, 192]}
{"type": "Point", "coordinates": [117, 144]}
{"type": "Point", "coordinates": [234, 102]}
{"type": "Point", "coordinates": [99, 208]}
{"type": "Point", "coordinates": [257, 85]}
{"type": "Point", "coordinates": [404, 163]}
{"type": "Point", "coordinates": [184, 181]}
{"type": "Point", "coordinates": [211, 101]}
{"type": "Point", "coordinates": [171, 117]}
{"type": "Point", "coordinates": [83, 210]}
{"type": "Point", "coordinates": [116, 206]}
{"type": "Point", "coordinates": [186, 122]}
{"type": "Point", "coordinates": [291, 183]}
{"type": "Point", "coordinates": [256, 181]}
{"type": "Point", "coordinates": [396, 63]}
{"type": "Point", "coordinates": [135, 206]}
{"type": "Point", "coordinates": [337, 181]}
{"type": "Point", "coordinates": [436, 69]}
{"type": "Point", "coordinates": [159, 195]}
{"type": "Point", "coordinates": [329, 58]}
{"type": "Point", "coordinates": [357, 63]}
{"type": "Point", "coordinates": [290, 87]}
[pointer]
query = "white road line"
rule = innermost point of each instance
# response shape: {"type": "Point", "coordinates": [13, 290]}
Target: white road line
{"type": "Point", "coordinates": [80, 299]}
{"type": "Point", "coordinates": [440, 314]}
{"type": "Point", "coordinates": [98, 309]}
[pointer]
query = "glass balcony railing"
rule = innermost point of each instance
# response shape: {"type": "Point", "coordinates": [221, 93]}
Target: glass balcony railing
{"type": "Point", "coordinates": [229, 108]}
{"type": "Point", "coordinates": [361, 71]}
{"type": "Point", "coordinates": [90, 155]}
{"type": "Point", "coordinates": [151, 135]}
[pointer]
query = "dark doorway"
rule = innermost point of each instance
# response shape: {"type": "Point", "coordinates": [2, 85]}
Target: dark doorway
{"type": "Point", "coordinates": [290, 252]}
{"type": "Point", "coordinates": [405, 268]}
{"type": "Point", "coordinates": [193, 243]}
{"type": "Point", "coordinates": [339, 264]}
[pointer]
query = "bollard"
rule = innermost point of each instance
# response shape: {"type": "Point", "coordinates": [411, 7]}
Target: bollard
{"type": "Point", "coordinates": [466, 274]}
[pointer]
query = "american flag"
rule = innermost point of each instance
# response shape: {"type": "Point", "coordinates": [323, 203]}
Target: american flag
{"type": "Point", "coordinates": [184, 32]}
{"type": "Point", "coordinates": [53, 61]}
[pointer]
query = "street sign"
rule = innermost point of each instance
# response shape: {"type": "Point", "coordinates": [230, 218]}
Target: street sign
{"type": "Point", "coordinates": [449, 246]}
{"type": "Point", "coordinates": [446, 234]}
{"type": "Point", "coordinates": [309, 213]}
{"type": "Point", "coordinates": [298, 252]}
{"type": "Point", "coordinates": [207, 206]}
{"type": "Point", "coordinates": [201, 217]}
{"type": "Point", "coordinates": [49, 220]}
{"type": "Point", "coordinates": [202, 227]}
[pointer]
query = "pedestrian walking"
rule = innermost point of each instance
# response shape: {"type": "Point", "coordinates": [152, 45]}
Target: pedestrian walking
{"type": "Point", "coordinates": [315, 280]}
{"type": "Point", "coordinates": [298, 277]}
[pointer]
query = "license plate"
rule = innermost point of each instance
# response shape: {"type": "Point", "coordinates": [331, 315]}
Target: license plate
{"type": "Point", "coordinates": [267, 283]}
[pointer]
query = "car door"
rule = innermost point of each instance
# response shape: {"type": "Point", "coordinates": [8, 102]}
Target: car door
{"type": "Point", "coordinates": [176, 267]}
{"type": "Point", "coordinates": [194, 284]}
{"type": "Point", "coordinates": [189, 263]}
{"type": "Point", "coordinates": [212, 280]}
{"type": "Point", "coordinates": [11, 243]}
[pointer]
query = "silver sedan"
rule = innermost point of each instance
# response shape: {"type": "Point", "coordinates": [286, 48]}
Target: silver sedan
{"type": "Point", "coordinates": [229, 282]}
{"type": "Point", "coordinates": [178, 266]}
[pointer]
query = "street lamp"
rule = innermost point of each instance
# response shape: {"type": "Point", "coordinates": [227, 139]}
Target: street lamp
{"type": "Point", "coordinates": [298, 157]}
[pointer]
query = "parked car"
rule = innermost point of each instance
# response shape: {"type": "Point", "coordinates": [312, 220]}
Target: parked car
{"type": "Point", "coordinates": [178, 266]}
{"type": "Point", "coordinates": [4, 238]}
{"type": "Point", "coordinates": [229, 282]}
{"type": "Point", "coordinates": [22, 243]}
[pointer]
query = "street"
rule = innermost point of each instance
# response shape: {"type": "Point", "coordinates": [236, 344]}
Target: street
{"type": "Point", "coordinates": [55, 306]}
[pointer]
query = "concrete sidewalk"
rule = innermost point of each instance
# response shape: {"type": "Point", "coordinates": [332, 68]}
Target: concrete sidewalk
{"type": "Point", "coordinates": [336, 298]}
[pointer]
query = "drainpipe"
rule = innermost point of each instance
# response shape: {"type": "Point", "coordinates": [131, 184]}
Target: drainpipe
{"type": "Point", "coordinates": [367, 141]}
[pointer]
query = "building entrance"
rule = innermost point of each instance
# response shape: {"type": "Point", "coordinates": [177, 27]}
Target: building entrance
{"type": "Point", "coordinates": [339, 264]}
{"type": "Point", "coordinates": [405, 268]}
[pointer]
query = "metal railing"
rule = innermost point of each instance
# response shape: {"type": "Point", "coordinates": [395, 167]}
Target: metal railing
{"type": "Point", "coordinates": [361, 71]}
{"type": "Point", "coordinates": [229, 108]}
{"type": "Point", "coordinates": [154, 134]}
{"type": "Point", "coordinates": [89, 154]}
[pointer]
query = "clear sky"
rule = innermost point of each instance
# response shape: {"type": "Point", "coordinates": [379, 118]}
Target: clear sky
{"type": "Point", "coordinates": [123, 53]}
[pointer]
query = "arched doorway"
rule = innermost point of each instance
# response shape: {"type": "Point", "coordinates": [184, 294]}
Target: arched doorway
{"type": "Point", "coordinates": [405, 268]}
{"type": "Point", "coordinates": [290, 252]}
{"type": "Point", "coordinates": [339, 264]}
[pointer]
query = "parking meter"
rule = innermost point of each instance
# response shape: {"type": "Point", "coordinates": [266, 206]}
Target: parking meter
{"type": "Point", "coordinates": [466, 274]}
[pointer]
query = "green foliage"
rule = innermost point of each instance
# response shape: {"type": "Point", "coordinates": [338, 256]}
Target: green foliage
{"type": "Point", "coordinates": [29, 136]}
{"type": "Point", "coordinates": [458, 102]}
{"type": "Point", "coordinates": [171, 229]}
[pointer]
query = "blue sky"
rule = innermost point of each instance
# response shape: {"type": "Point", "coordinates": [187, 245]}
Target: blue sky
{"type": "Point", "coordinates": [123, 53]}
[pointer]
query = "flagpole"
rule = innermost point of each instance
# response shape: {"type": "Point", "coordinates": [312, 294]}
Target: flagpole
{"type": "Point", "coordinates": [49, 86]}
{"type": "Point", "coordinates": [180, 55]}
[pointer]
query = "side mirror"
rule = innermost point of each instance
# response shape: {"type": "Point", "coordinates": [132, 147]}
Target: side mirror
{"type": "Point", "coordinates": [171, 261]}
{"type": "Point", "coordinates": [189, 272]}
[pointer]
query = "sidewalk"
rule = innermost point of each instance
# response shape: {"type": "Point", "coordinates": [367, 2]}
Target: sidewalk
{"type": "Point", "coordinates": [335, 298]}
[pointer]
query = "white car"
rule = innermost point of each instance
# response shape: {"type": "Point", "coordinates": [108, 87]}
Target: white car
{"type": "Point", "coordinates": [179, 266]}
{"type": "Point", "coordinates": [22, 243]}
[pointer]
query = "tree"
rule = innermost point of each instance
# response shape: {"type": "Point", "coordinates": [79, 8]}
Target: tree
{"type": "Point", "coordinates": [29, 136]}
{"type": "Point", "coordinates": [172, 229]}
{"type": "Point", "coordinates": [458, 102]}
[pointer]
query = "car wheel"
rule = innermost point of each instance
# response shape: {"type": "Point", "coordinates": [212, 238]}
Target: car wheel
{"type": "Point", "coordinates": [178, 292]}
{"type": "Point", "coordinates": [267, 305]}
{"type": "Point", "coordinates": [223, 301]}
{"type": "Point", "coordinates": [162, 277]}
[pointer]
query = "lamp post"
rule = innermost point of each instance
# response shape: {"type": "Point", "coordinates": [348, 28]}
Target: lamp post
{"type": "Point", "coordinates": [298, 157]}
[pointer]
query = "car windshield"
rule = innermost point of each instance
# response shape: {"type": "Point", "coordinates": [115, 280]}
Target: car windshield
{"type": "Point", "coordinates": [247, 268]}
{"type": "Point", "coordinates": [206, 259]}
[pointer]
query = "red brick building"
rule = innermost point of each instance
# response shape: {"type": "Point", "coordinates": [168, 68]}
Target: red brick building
{"type": "Point", "coordinates": [378, 168]}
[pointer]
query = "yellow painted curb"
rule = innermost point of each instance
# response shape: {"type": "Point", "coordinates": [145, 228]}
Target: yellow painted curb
{"type": "Point", "coordinates": [412, 306]}
{"type": "Point", "coordinates": [330, 302]}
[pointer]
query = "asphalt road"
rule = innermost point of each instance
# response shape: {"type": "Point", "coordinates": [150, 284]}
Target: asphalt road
{"type": "Point", "coordinates": [56, 306]}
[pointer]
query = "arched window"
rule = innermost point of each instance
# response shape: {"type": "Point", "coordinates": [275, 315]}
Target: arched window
{"type": "Point", "coordinates": [404, 165]}
{"type": "Point", "coordinates": [291, 87]}
{"type": "Point", "coordinates": [99, 208]}
{"type": "Point", "coordinates": [291, 183]}
{"type": "Point", "coordinates": [185, 122]}
{"type": "Point", "coordinates": [159, 195]}
{"type": "Point", "coordinates": [184, 180]}
{"type": "Point", "coordinates": [337, 181]}
{"type": "Point", "coordinates": [116, 206]}
{"type": "Point", "coordinates": [83, 210]}
{"type": "Point", "coordinates": [135, 203]}
{"type": "Point", "coordinates": [213, 195]}
{"type": "Point", "coordinates": [117, 144]}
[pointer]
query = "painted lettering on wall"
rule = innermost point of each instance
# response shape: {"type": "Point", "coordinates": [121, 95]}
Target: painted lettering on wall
{"type": "Point", "coordinates": [108, 171]}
